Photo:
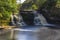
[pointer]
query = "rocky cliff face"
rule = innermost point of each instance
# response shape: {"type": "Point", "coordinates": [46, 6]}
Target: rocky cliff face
{"type": "Point", "coordinates": [28, 17]}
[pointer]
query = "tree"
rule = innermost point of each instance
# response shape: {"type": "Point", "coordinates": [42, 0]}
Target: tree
{"type": "Point", "coordinates": [49, 8]}
{"type": "Point", "coordinates": [6, 8]}
{"type": "Point", "coordinates": [32, 4]}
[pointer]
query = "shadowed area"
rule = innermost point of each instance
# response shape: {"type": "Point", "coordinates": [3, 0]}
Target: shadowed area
{"type": "Point", "coordinates": [28, 17]}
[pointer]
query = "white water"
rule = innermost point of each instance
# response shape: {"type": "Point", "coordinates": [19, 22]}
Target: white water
{"type": "Point", "coordinates": [21, 22]}
{"type": "Point", "coordinates": [38, 20]}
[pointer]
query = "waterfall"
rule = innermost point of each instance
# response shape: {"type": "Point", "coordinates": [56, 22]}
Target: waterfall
{"type": "Point", "coordinates": [38, 19]}
{"type": "Point", "coordinates": [21, 22]}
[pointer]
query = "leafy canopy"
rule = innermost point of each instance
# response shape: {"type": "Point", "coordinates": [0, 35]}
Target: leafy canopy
{"type": "Point", "coordinates": [6, 8]}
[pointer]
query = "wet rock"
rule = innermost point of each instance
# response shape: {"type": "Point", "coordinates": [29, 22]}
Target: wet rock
{"type": "Point", "coordinates": [28, 17]}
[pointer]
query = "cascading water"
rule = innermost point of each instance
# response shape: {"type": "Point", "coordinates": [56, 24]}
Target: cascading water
{"type": "Point", "coordinates": [38, 19]}
{"type": "Point", "coordinates": [21, 22]}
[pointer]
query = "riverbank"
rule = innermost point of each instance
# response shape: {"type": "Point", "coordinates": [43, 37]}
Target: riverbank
{"type": "Point", "coordinates": [4, 34]}
{"type": "Point", "coordinates": [7, 27]}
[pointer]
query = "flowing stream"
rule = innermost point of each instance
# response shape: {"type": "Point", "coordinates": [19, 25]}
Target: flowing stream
{"type": "Point", "coordinates": [38, 20]}
{"type": "Point", "coordinates": [28, 32]}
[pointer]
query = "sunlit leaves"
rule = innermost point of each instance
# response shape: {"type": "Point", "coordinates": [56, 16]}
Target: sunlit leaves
{"type": "Point", "coordinates": [34, 7]}
{"type": "Point", "coordinates": [6, 8]}
{"type": "Point", "coordinates": [58, 4]}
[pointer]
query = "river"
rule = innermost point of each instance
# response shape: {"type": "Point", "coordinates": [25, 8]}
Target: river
{"type": "Point", "coordinates": [33, 33]}
{"type": "Point", "coordinates": [27, 35]}
{"type": "Point", "coordinates": [22, 35]}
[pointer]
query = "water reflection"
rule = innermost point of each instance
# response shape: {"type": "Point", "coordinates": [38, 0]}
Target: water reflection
{"type": "Point", "coordinates": [26, 36]}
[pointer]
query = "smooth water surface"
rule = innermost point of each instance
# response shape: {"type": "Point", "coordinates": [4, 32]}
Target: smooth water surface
{"type": "Point", "coordinates": [27, 35]}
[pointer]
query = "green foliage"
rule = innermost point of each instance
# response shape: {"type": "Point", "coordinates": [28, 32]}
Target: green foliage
{"type": "Point", "coordinates": [34, 7]}
{"type": "Point", "coordinates": [32, 4]}
{"type": "Point", "coordinates": [6, 8]}
{"type": "Point", "coordinates": [58, 4]}
{"type": "Point", "coordinates": [35, 4]}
